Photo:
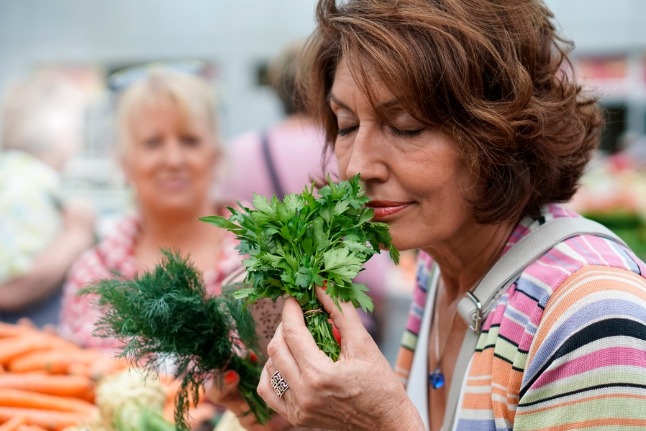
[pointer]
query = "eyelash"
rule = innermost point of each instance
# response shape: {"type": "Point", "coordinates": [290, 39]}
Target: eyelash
{"type": "Point", "coordinates": [346, 131]}
{"type": "Point", "coordinates": [404, 133]}
{"type": "Point", "coordinates": [396, 132]}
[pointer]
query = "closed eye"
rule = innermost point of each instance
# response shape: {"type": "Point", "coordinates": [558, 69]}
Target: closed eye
{"type": "Point", "coordinates": [405, 133]}
{"type": "Point", "coordinates": [346, 131]}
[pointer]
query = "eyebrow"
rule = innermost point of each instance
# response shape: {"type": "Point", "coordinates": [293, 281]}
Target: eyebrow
{"type": "Point", "coordinates": [390, 105]}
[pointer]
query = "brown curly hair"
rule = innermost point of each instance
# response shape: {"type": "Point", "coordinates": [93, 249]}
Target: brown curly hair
{"type": "Point", "coordinates": [492, 74]}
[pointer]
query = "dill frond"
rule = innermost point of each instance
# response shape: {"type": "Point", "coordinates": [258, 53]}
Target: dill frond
{"type": "Point", "coordinates": [166, 313]}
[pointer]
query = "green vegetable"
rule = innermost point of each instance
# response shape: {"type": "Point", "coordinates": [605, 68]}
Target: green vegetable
{"type": "Point", "coordinates": [306, 241]}
{"type": "Point", "coordinates": [166, 313]}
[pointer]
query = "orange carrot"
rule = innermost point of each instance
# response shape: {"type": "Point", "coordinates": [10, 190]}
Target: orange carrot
{"type": "Point", "coordinates": [17, 346]}
{"type": "Point", "coordinates": [25, 427]}
{"type": "Point", "coordinates": [12, 424]}
{"type": "Point", "coordinates": [66, 386]}
{"type": "Point", "coordinates": [56, 361]}
{"type": "Point", "coordinates": [35, 400]}
{"type": "Point", "coordinates": [13, 347]}
{"type": "Point", "coordinates": [79, 369]}
{"type": "Point", "coordinates": [105, 366]}
{"type": "Point", "coordinates": [11, 330]}
{"type": "Point", "coordinates": [50, 420]}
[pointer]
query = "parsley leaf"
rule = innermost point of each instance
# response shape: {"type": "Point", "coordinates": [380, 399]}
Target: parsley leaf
{"type": "Point", "coordinates": [290, 247]}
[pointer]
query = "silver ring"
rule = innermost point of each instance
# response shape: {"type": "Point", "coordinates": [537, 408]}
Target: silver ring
{"type": "Point", "coordinates": [279, 384]}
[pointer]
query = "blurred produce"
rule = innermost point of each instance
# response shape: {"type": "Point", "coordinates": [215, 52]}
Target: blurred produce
{"type": "Point", "coordinates": [50, 384]}
{"type": "Point", "coordinates": [613, 192]}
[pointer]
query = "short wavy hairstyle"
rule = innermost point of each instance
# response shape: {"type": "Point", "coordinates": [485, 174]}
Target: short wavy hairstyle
{"type": "Point", "coordinates": [191, 94]}
{"type": "Point", "coordinates": [494, 75]}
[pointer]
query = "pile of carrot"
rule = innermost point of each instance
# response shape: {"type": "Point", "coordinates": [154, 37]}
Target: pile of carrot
{"type": "Point", "coordinates": [46, 382]}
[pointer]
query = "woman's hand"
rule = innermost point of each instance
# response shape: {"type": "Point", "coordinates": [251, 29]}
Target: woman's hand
{"type": "Point", "coordinates": [359, 391]}
{"type": "Point", "coordinates": [227, 395]}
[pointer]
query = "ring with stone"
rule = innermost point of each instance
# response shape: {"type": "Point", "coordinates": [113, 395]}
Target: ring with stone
{"type": "Point", "coordinates": [279, 384]}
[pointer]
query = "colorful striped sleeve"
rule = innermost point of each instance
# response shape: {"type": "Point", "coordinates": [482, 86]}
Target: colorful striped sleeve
{"type": "Point", "coordinates": [586, 367]}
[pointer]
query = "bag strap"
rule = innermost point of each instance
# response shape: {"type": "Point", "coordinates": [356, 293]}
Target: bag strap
{"type": "Point", "coordinates": [478, 301]}
{"type": "Point", "coordinates": [271, 166]}
{"type": "Point", "coordinates": [473, 308]}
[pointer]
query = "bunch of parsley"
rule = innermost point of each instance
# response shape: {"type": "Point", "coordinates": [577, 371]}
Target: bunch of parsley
{"type": "Point", "coordinates": [307, 241]}
{"type": "Point", "coordinates": [166, 313]}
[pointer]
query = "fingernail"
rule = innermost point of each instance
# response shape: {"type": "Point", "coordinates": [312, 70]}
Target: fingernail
{"type": "Point", "coordinates": [230, 377]}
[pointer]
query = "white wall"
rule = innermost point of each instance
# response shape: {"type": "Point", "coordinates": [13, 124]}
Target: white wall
{"type": "Point", "coordinates": [601, 26]}
{"type": "Point", "coordinates": [235, 34]}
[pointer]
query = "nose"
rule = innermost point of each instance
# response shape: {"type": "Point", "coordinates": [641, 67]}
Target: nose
{"type": "Point", "coordinates": [366, 155]}
{"type": "Point", "coordinates": [173, 152]}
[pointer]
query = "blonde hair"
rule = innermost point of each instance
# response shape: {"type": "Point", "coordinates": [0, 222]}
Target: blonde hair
{"type": "Point", "coordinates": [192, 95]}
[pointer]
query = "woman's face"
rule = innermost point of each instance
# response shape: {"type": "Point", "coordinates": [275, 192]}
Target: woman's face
{"type": "Point", "coordinates": [170, 160]}
{"type": "Point", "coordinates": [411, 172]}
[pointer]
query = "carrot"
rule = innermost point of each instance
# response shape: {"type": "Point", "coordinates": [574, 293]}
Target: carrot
{"type": "Point", "coordinates": [12, 424]}
{"type": "Point", "coordinates": [2, 370]}
{"type": "Point", "coordinates": [13, 347]}
{"type": "Point", "coordinates": [11, 330]}
{"type": "Point", "coordinates": [52, 361]}
{"type": "Point", "coordinates": [79, 369]}
{"type": "Point", "coordinates": [50, 420]}
{"type": "Point", "coordinates": [67, 386]}
{"type": "Point", "coordinates": [35, 400]}
{"type": "Point", "coordinates": [25, 427]}
{"type": "Point", "coordinates": [105, 366]}
{"type": "Point", "coordinates": [17, 346]}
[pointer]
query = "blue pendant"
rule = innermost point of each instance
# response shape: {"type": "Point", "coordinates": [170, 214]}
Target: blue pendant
{"type": "Point", "coordinates": [436, 379]}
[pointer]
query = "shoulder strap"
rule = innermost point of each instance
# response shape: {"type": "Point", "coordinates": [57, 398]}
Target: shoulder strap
{"type": "Point", "coordinates": [271, 167]}
{"type": "Point", "coordinates": [477, 303]}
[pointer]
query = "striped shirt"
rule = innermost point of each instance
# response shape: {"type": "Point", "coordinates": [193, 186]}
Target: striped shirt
{"type": "Point", "coordinates": [563, 348]}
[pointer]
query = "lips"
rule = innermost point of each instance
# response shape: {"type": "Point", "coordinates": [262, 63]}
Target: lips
{"type": "Point", "coordinates": [173, 184]}
{"type": "Point", "coordinates": [386, 209]}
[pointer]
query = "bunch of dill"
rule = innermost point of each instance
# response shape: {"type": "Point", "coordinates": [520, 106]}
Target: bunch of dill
{"type": "Point", "coordinates": [166, 313]}
{"type": "Point", "coordinates": [304, 241]}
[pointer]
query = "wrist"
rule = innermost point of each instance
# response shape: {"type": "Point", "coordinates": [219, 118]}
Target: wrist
{"type": "Point", "coordinates": [401, 415]}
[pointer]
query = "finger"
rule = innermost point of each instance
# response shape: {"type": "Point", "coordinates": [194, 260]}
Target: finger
{"type": "Point", "coordinates": [281, 355]}
{"type": "Point", "coordinates": [298, 339]}
{"type": "Point", "coordinates": [266, 391]}
{"type": "Point", "coordinates": [347, 321]}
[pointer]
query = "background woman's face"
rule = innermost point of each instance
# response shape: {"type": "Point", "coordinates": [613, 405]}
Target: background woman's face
{"type": "Point", "coordinates": [412, 173]}
{"type": "Point", "coordinates": [170, 160]}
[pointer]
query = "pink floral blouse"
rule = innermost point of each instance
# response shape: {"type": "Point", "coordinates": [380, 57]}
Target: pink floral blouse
{"type": "Point", "coordinates": [115, 254]}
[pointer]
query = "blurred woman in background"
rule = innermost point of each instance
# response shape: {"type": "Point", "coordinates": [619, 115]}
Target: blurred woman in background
{"type": "Point", "coordinates": [169, 150]}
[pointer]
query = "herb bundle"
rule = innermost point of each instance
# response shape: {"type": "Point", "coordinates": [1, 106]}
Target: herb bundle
{"type": "Point", "coordinates": [166, 313]}
{"type": "Point", "coordinates": [304, 241]}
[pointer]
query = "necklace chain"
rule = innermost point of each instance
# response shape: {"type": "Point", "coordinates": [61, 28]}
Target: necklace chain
{"type": "Point", "coordinates": [436, 377]}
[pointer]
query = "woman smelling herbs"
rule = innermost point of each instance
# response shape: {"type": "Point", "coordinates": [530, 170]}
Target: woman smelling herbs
{"type": "Point", "coordinates": [467, 128]}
